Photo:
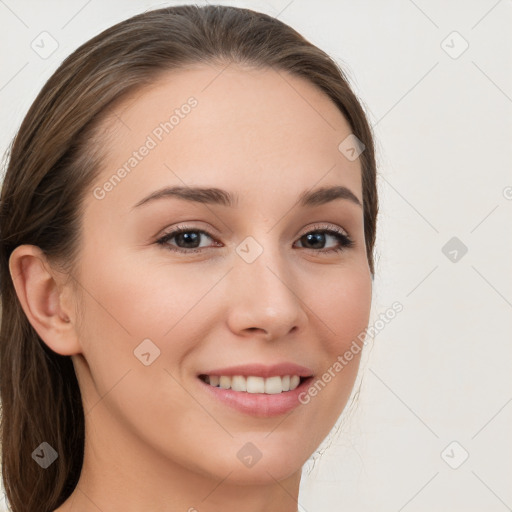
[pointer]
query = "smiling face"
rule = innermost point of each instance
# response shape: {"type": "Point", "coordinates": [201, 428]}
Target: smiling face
{"type": "Point", "coordinates": [247, 282]}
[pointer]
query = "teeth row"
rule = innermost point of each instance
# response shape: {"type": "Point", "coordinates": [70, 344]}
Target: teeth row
{"type": "Point", "coordinates": [252, 384]}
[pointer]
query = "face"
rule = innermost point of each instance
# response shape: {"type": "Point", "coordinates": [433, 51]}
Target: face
{"type": "Point", "coordinates": [262, 280]}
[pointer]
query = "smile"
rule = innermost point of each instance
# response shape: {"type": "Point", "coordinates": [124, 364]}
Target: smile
{"type": "Point", "coordinates": [253, 384]}
{"type": "Point", "coordinates": [263, 397]}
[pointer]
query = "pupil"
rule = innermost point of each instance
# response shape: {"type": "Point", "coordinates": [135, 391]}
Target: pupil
{"type": "Point", "coordinates": [187, 237]}
{"type": "Point", "coordinates": [318, 237]}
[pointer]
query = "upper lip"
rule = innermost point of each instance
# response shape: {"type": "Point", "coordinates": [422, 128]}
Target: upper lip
{"type": "Point", "coordinates": [262, 370]}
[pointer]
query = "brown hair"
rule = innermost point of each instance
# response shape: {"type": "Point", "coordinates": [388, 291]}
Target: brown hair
{"type": "Point", "coordinates": [54, 160]}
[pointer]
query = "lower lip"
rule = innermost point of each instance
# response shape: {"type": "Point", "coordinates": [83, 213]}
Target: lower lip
{"type": "Point", "coordinates": [259, 404]}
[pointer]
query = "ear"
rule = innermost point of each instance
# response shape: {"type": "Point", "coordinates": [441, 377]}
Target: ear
{"type": "Point", "coordinates": [43, 295]}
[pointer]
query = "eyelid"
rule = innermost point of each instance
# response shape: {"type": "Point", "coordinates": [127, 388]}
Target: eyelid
{"type": "Point", "coordinates": [185, 226]}
{"type": "Point", "coordinates": [319, 226]}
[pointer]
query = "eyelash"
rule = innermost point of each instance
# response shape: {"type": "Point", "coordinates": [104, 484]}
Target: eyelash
{"type": "Point", "coordinates": [345, 241]}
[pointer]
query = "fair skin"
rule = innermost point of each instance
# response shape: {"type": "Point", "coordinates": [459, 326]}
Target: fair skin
{"type": "Point", "coordinates": [154, 439]}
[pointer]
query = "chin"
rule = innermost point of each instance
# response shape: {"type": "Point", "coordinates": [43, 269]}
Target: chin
{"type": "Point", "coordinates": [263, 473]}
{"type": "Point", "coordinates": [247, 465]}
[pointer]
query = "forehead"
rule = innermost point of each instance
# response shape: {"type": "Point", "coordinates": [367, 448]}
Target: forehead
{"type": "Point", "coordinates": [235, 127]}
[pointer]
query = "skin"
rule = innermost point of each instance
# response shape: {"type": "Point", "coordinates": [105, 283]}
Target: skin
{"type": "Point", "coordinates": [154, 439]}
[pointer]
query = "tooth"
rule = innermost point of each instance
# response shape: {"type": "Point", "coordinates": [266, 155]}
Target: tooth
{"type": "Point", "coordinates": [225, 381]}
{"type": "Point", "coordinates": [255, 384]}
{"type": "Point", "coordinates": [273, 385]}
{"type": "Point", "coordinates": [294, 381]}
{"type": "Point", "coordinates": [238, 383]}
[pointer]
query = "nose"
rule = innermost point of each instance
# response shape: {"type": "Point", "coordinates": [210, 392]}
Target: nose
{"type": "Point", "coordinates": [265, 298]}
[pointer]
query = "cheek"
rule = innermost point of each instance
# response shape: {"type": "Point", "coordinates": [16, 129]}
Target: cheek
{"type": "Point", "coordinates": [343, 311]}
{"type": "Point", "coordinates": [126, 304]}
{"type": "Point", "coordinates": [140, 300]}
{"type": "Point", "coordinates": [343, 306]}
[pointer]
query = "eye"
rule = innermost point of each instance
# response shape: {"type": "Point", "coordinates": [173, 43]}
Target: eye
{"type": "Point", "coordinates": [319, 235]}
{"type": "Point", "coordinates": [188, 239]}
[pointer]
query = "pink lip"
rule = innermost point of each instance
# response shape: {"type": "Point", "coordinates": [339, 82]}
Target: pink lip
{"type": "Point", "coordinates": [258, 404]}
{"type": "Point", "coordinates": [261, 370]}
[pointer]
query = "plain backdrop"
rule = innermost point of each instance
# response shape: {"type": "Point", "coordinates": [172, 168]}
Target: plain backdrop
{"type": "Point", "coordinates": [430, 430]}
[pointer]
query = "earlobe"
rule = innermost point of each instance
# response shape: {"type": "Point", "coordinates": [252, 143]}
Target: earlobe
{"type": "Point", "coordinates": [39, 291]}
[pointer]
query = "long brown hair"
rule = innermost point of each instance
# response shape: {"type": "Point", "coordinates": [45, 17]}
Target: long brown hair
{"type": "Point", "coordinates": [53, 161]}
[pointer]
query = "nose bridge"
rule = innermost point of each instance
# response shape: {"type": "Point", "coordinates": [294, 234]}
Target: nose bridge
{"type": "Point", "coordinates": [263, 289]}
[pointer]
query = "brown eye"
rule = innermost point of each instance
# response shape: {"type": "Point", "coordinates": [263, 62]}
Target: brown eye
{"type": "Point", "coordinates": [317, 238]}
{"type": "Point", "coordinates": [186, 240]}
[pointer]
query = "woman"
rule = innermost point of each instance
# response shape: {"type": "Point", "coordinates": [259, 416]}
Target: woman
{"type": "Point", "coordinates": [187, 227]}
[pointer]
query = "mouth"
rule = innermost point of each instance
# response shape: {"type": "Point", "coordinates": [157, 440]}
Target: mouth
{"type": "Point", "coordinates": [255, 384]}
{"type": "Point", "coordinates": [254, 395]}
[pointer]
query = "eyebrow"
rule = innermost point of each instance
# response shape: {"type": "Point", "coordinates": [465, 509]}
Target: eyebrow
{"type": "Point", "coordinates": [217, 196]}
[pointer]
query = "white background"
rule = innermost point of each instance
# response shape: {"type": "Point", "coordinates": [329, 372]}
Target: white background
{"type": "Point", "coordinates": [441, 370]}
